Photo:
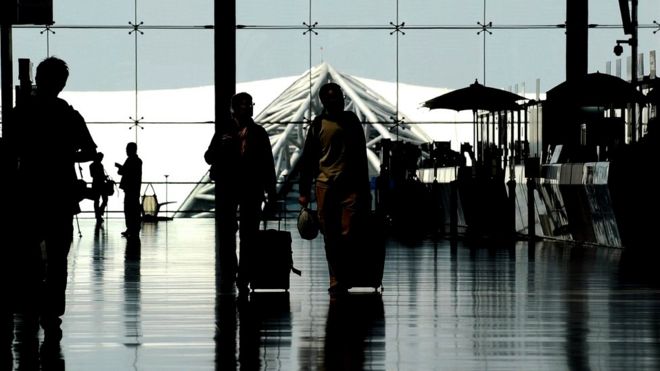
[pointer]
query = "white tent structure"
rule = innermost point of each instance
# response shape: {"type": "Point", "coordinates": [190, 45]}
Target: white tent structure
{"type": "Point", "coordinates": [287, 117]}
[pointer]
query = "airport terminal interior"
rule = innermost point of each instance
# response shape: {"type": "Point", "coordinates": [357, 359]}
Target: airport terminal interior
{"type": "Point", "coordinates": [565, 294]}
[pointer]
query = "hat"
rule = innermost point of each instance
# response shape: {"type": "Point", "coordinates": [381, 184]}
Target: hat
{"type": "Point", "coordinates": [308, 224]}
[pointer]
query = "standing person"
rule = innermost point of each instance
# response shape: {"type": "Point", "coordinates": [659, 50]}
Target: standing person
{"type": "Point", "coordinates": [244, 172]}
{"type": "Point", "coordinates": [99, 177]}
{"type": "Point", "coordinates": [131, 183]}
{"type": "Point", "coordinates": [48, 138]}
{"type": "Point", "coordinates": [335, 155]}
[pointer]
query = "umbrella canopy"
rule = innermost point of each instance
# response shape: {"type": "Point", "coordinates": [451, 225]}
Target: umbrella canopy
{"type": "Point", "coordinates": [476, 97]}
{"type": "Point", "coordinates": [596, 90]}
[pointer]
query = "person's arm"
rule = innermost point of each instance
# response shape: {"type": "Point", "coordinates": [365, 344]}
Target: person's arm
{"type": "Point", "coordinates": [86, 150]}
{"type": "Point", "coordinates": [309, 163]}
{"type": "Point", "coordinates": [269, 168]}
{"type": "Point", "coordinates": [210, 154]}
{"type": "Point", "coordinates": [361, 155]}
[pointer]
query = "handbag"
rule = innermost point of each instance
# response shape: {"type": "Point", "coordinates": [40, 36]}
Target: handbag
{"type": "Point", "coordinates": [109, 186]}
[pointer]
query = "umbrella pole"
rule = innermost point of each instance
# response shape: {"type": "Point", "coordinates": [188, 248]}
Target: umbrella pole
{"type": "Point", "coordinates": [474, 133]}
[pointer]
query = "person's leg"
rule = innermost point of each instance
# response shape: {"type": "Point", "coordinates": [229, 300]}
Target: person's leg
{"type": "Point", "coordinates": [132, 212]}
{"type": "Point", "coordinates": [250, 217]}
{"type": "Point", "coordinates": [57, 243]}
{"type": "Point", "coordinates": [97, 209]}
{"type": "Point", "coordinates": [104, 204]}
{"type": "Point", "coordinates": [226, 228]}
{"type": "Point", "coordinates": [127, 212]}
{"type": "Point", "coordinates": [329, 213]}
{"type": "Point", "coordinates": [137, 214]}
{"type": "Point", "coordinates": [350, 234]}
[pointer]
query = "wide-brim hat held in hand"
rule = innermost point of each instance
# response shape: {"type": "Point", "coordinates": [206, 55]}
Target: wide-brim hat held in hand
{"type": "Point", "coordinates": [308, 224]}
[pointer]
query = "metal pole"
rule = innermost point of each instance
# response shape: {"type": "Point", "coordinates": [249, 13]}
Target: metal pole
{"type": "Point", "coordinates": [167, 212]}
{"type": "Point", "coordinates": [637, 128]}
{"type": "Point", "coordinates": [6, 76]}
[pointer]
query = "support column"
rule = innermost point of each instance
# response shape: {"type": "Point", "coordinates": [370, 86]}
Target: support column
{"type": "Point", "coordinates": [577, 38]}
{"type": "Point", "coordinates": [224, 43]}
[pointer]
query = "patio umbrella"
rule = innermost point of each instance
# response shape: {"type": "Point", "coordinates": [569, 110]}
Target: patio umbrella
{"type": "Point", "coordinates": [596, 90]}
{"type": "Point", "coordinates": [476, 97]}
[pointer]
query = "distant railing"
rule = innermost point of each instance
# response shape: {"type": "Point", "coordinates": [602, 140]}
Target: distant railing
{"type": "Point", "coordinates": [115, 209]}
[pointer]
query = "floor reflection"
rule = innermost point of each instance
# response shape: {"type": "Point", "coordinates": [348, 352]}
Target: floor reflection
{"type": "Point", "coordinates": [262, 322]}
{"type": "Point", "coordinates": [355, 333]}
{"type": "Point", "coordinates": [28, 354]}
{"type": "Point", "coordinates": [132, 296]}
{"type": "Point", "coordinates": [156, 304]}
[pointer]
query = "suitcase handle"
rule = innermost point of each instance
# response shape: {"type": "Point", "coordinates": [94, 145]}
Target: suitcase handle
{"type": "Point", "coordinates": [282, 213]}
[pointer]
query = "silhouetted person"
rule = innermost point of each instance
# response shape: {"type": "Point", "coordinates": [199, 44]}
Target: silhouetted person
{"type": "Point", "coordinates": [335, 154]}
{"type": "Point", "coordinates": [99, 177]}
{"type": "Point", "coordinates": [131, 184]}
{"type": "Point", "coordinates": [48, 138]}
{"type": "Point", "coordinates": [242, 156]}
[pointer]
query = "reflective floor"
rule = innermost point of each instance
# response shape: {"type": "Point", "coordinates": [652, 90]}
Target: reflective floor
{"type": "Point", "coordinates": [153, 305]}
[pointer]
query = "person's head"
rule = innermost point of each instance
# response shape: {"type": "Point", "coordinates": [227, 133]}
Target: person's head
{"type": "Point", "coordinates": [52, 74]}
{"type": "Point", "coordinates": [242, 106]}
{"type": "Point", "coordinates": [332, 98]}
{"type": "Point", "coordinates": [131, 148]}
{"type": "Point", "coordinates": [98, 157]}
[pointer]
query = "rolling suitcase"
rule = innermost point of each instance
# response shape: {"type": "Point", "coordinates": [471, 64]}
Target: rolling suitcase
{"type": "Point", "coordinates": [365, 262]}
{"type": "Point", "coordinates": [273, 260]}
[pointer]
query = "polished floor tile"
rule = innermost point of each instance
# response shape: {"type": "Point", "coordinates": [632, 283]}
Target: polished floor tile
{"type": "Point", "coordinates": [153, 305]}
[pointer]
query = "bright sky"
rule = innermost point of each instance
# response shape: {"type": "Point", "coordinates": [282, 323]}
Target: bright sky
{"type": "Point", "coordinates": [452, 58]}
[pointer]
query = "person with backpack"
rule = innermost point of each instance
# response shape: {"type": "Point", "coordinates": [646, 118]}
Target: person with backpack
{"type": "Point", "coordinates": [47, 138]}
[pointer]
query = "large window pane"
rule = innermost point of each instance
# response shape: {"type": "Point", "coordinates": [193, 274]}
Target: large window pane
{"type": "Point", "coordinates": [267, 54]}
{"type": "Point", "coordinates": [441, 12]}
{"type": "Point", "coordinates": [354, 13]}
{"type": "Point", "coordinates": [369, 54]}
{"type": "Point", "coordinates": [175, 58]}
{"type": "Point", "coordinates": [175, 12]}
{"type": "Point", "coordinates": [76, 12]}
{"type": "Point", "coordinates": [515, 57]}
{"type": "Point", "coordinates": [441, 58]}
{"type": "Point", "coordinates": [272, 13]}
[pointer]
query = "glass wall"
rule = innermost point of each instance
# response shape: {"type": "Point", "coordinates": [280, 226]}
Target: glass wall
{"type": "Point", "coordinates": [142, 70]}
